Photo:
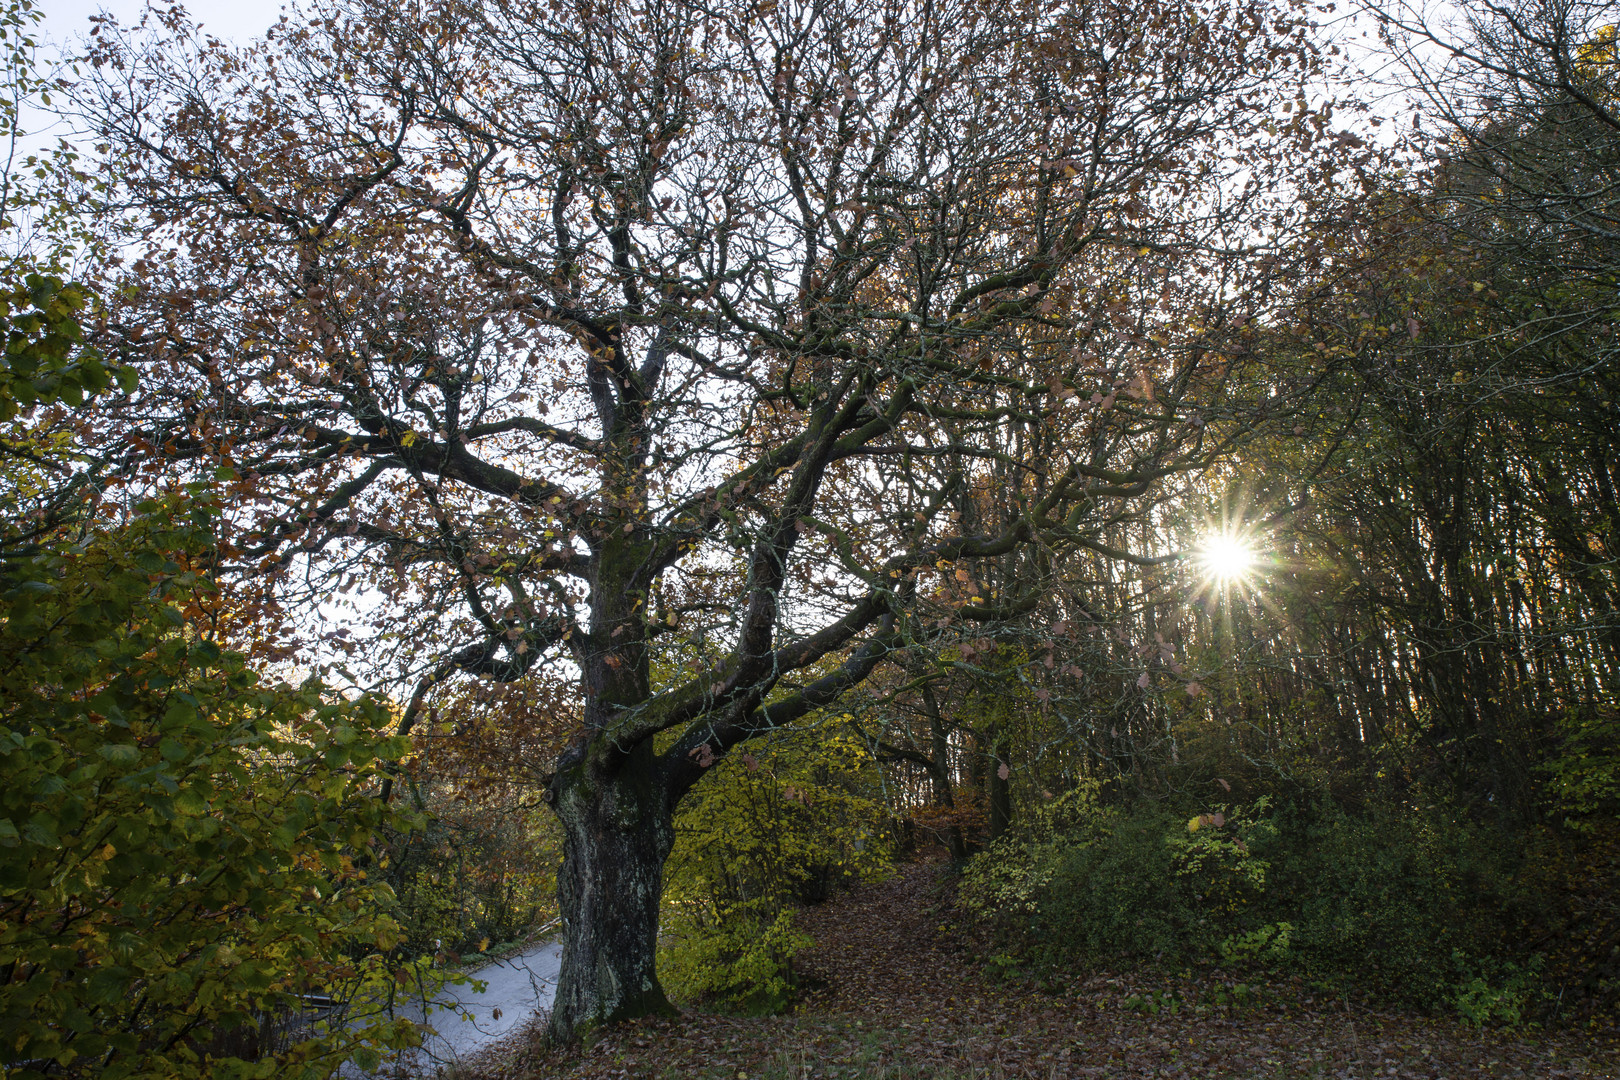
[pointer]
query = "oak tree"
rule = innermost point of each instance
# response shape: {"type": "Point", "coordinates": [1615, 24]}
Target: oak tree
{"type": "Point", "coordinates": [645, 344]}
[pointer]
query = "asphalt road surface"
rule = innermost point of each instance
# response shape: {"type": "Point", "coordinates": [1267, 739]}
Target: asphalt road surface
{"type": "Point", "coordinates": [463, 1022]}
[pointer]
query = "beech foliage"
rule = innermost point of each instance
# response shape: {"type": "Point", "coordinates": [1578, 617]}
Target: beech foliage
{"type": "Point", "coordinates": [182, 845]}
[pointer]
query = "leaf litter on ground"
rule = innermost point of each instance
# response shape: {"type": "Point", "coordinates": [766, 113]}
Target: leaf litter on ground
{"type": "Point", "coordinates": [898, 991]}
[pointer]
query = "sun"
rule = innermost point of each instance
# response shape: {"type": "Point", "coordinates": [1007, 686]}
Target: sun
{"type": "Point", "coordinates": [1227, 558]}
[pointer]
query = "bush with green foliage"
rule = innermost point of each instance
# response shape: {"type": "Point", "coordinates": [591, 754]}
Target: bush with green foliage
{"type": "Point", "coordinates": [183, 847]}
{"type": "Point", "coordinates": [1107, 883]}
{"type": "Point", "coordinates": [1406, 902]}
{"type": "Point", "coordinates": [1414, 905]}
{"type": "Point", "coordinates": [1584, 774]}
{"type": "Point", "coordinates": [1008, 882]}
{"type": "Point", "coordinates": [765, 830]}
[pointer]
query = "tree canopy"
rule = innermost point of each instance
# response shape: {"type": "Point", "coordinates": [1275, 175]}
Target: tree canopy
{"type": "Point", "coordinates": [638, 391]}
{"type": "Point", "coordinates": [619, 332]}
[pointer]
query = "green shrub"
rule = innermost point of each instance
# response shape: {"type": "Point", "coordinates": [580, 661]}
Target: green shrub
{"type": "Point", "coordinates": [770, 827]}
{"type": "Point", "coordinates": [1504, 995]}
{"type": "Point", "coordinates": [1388, 897]}
{"type": "Point", "coordinates": [1096, 883]}
{"type": "Point", "coordinates": [1584, 773]}
{"type": "Point", "coordinates": [1008, 881]}
{"type": "Point", "coordinates": [1270, 943]}
{"type": "Point", "coordinates": [1159, 886]}
{"type": "Point", "coordinates": [1415, 906]}
{"type": "Point", "coordinates": [182, 846]}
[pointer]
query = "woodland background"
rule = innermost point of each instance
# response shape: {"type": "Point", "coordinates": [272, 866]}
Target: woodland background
{"type": "Point", "coordinates": [1382, 761]}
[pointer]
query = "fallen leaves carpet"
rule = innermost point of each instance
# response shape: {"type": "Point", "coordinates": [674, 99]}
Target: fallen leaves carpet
{"type": "Point", "coordinates": [896, 996]}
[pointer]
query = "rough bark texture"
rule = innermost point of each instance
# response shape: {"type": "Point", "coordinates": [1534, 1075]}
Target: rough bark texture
{"type": "Point", "coordinates": [617, 832]}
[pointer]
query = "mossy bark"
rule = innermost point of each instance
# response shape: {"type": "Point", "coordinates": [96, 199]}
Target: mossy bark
{"type": "Point", "coordinates": [617, 832]}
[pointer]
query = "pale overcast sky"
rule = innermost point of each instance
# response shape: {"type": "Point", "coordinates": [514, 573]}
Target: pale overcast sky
{"type": "Point", "coordinates": [66, 20]}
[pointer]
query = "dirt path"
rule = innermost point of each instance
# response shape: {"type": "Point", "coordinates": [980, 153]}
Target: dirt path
{"type": "Point", "coordinates": [892, 996]}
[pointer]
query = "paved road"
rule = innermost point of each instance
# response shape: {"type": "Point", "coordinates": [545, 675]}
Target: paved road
{"type": "Point", "coordinates": [463, 1022]}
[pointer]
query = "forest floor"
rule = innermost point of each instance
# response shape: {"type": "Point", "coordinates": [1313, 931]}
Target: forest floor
{"type": "Point", "coordinates": [898, 995]}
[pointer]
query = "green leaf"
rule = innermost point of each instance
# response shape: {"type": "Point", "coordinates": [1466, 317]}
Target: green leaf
{"type": "Point", "coordinates": [120, 753]}
{"type": "Point", "coordinates": [191, 802]}
{"type": "Point", "coordinates": [41, 830]}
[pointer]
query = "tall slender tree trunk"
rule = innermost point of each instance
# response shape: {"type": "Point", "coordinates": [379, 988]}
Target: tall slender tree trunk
{"type": "Point", "coordinates": [939, 752]}
{"type": "Point", "coordinates": [999, 785]}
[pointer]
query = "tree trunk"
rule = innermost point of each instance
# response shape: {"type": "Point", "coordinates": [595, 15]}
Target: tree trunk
{"type": "Point", "coordinates": [939, 752]}
{"type": "Point", "coordinates": [617, 832]}
{"type": "Point", "coordinates": [1000, 787]}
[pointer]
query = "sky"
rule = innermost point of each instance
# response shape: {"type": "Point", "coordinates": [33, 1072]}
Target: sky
{"type": "Point", "coordinates": [240, 20]}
